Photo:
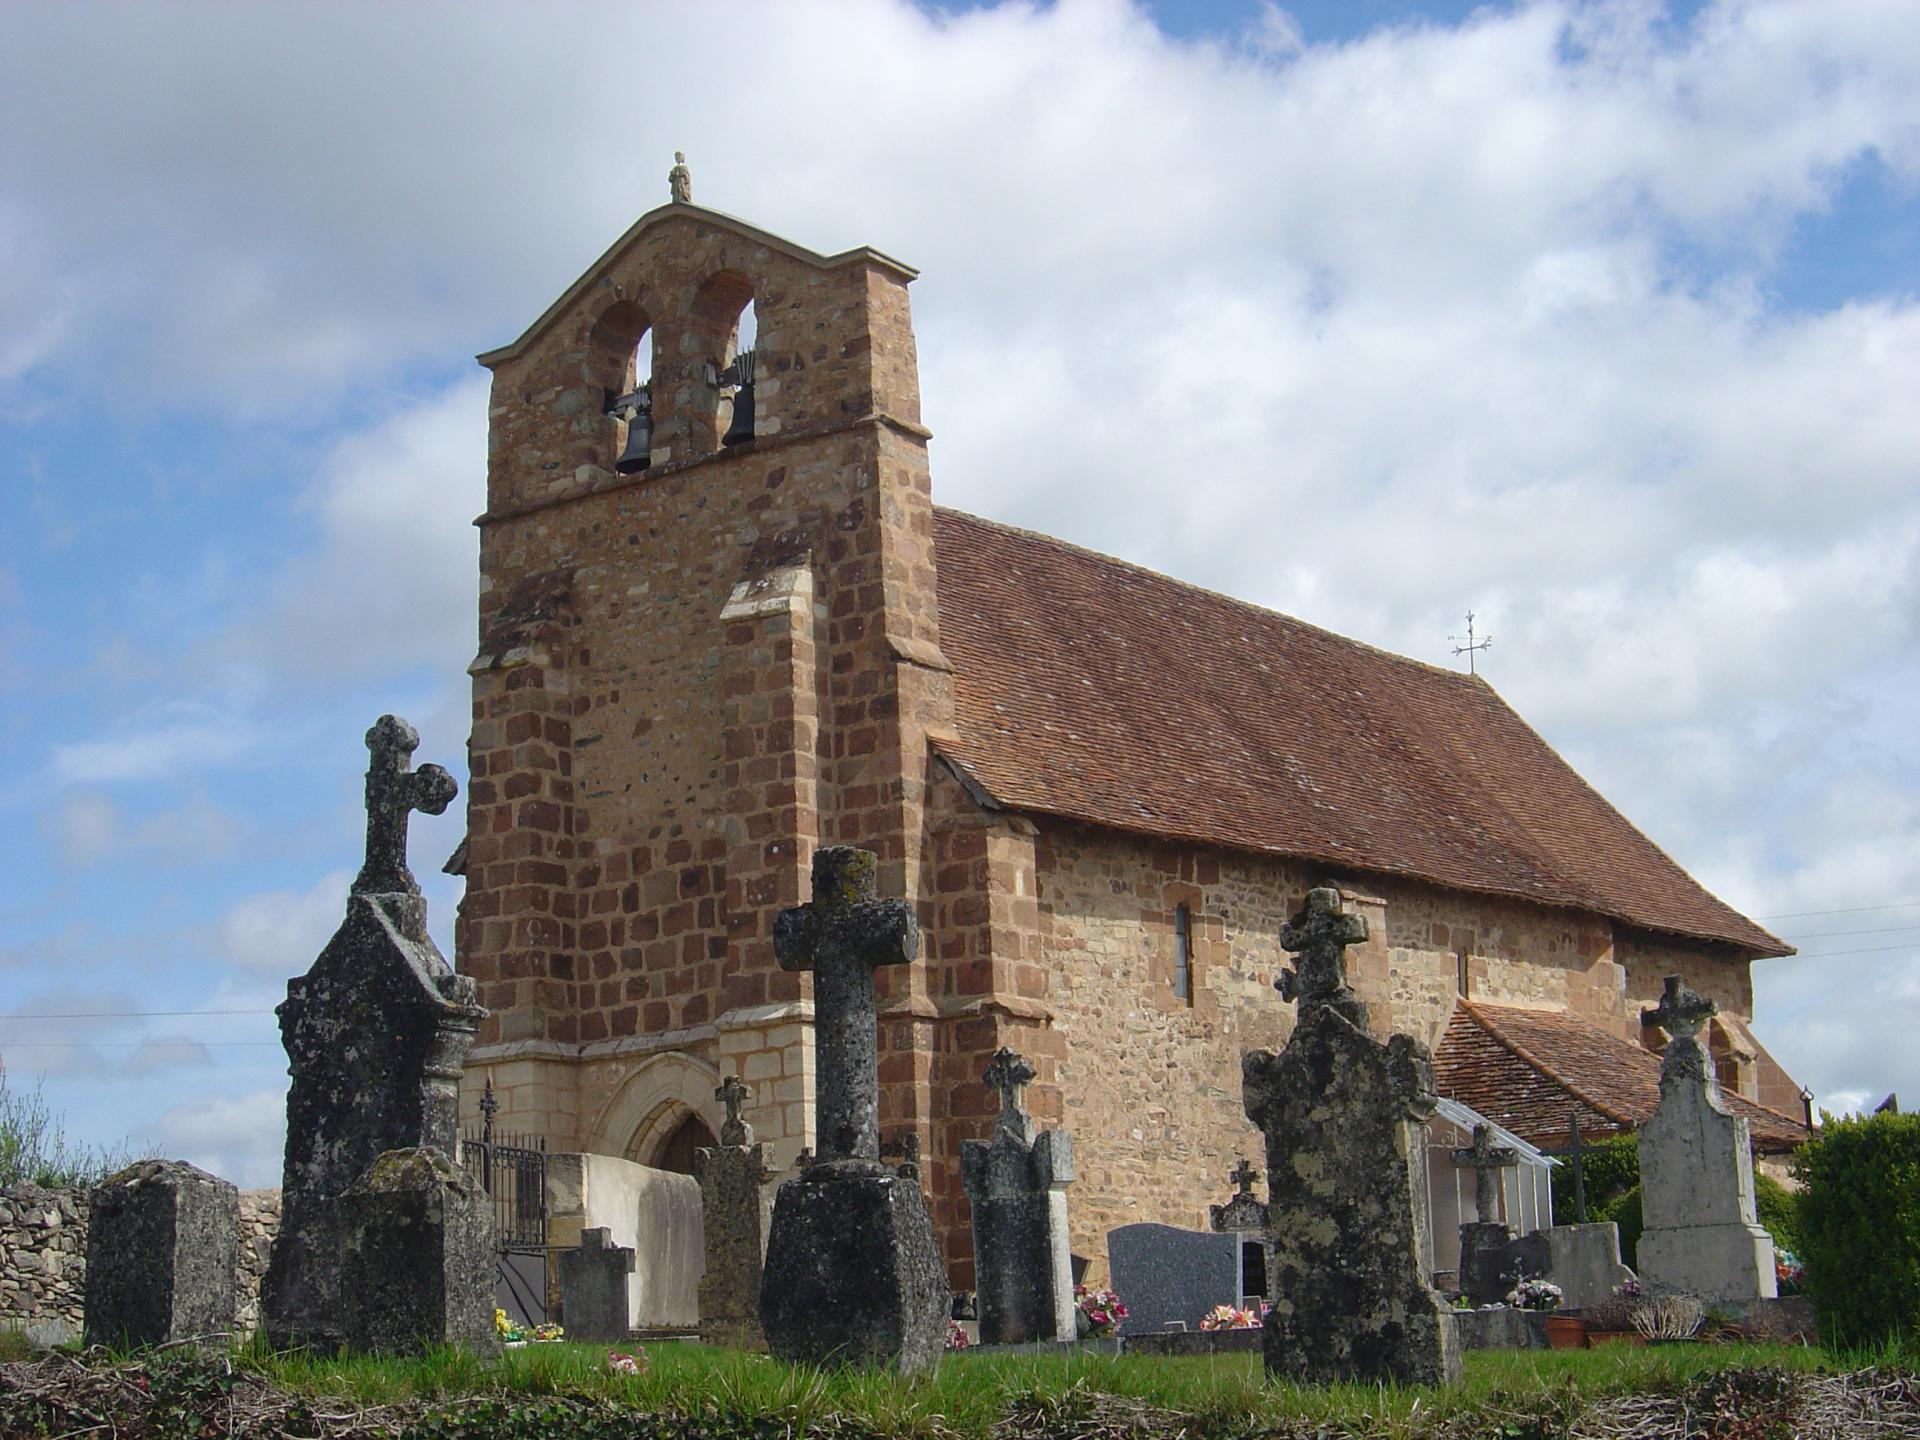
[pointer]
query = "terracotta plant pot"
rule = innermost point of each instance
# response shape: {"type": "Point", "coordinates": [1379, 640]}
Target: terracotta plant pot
{"type": "Point", "coordinates": [1566, 1332]}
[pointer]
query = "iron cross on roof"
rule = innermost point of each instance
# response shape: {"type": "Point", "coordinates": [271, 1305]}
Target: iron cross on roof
{"type": "Point", "coordinates": [1487, 1160]}
{"type": "Point", "coordinates": [393, 789]}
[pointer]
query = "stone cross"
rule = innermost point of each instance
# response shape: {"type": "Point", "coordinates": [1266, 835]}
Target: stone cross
{"type": "Point", "coordinates": [680, 180]}
{"type": "Point", "coordinates": [842, 937]}
{"type": "Point", "coordinates": [1010, 1072]}
{"type": "Point", "coordinates": [1243, 1175]}
{"type": "Point", "coordinates": [1319, 935]}
{"type": "Point", "coordinates": [394, 788]}
{"type": "Point", "coordinates": [733, 1095]}
{"type": "Point", "coordinates": [1682, 1011]}
{"type": "Point", "coordinates": [1577, 1158]}
{"type": "Point", "coordinates": [1487, 1160]}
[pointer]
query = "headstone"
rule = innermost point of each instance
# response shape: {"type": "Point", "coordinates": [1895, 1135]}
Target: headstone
{"type": "Point", "coordinates": [853, 1272]}
{"type": "Point", "coordinates": [1485, 1265]}
{"type": "Point", "coordinates": [1017, 1184]}
{"type": "Point", "coordinates": [593, 1287]}
{"type": "Point", "coordinates": [1169, 1276]}
{"type": "Point", "coordinates": [162, 1255]}
{"type": "Point", "coordinates": [1347, 1217]}
{"type": "Point", "coordinates": [376, 1033]}
{"type": "Point", "coordinates": [1702, 1234]}
{"type": "Point", "coordinates": [415, 1236]}
{"type": "Point", "coordinates": [1245, 1216]}
{"type": "Point", "coordinates": [1583, 1260]}
{"type": "Point", "coordinates": [731, 1176]}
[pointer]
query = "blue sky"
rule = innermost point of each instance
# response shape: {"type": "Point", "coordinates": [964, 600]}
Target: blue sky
{"type": "Point", "coordinates": [1598, 318]}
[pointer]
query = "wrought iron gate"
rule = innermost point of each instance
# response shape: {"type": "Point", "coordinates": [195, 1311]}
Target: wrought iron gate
{"type": "Point", "coordinates": [512, 1169]}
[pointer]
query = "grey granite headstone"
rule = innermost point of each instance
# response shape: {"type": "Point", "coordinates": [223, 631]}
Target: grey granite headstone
{"type": "Point", "coordinates": [416, 1256]}
{"type": "Point", "coordinates": [376, 1034]}
{"type": "Point", "coordinates": [732, 1175]}
{"type": "Point", "coordinates": [593, 1287]}
{"type": "Point", "coordinates": [853, 1272]}
{"type": "Point", "coordinates": [1487, 1269]}
{"type": "Point", "coordinates": [1017, 1186]}
{"type": "Point", "coordinates": [1702, 1234]}
{"type": "Point", "coordinates": [162, 1255]}
{"type": "Point", "coordinates": [1167, 1275]}
{"type": "Point", "coordinates": [1346, 1191]}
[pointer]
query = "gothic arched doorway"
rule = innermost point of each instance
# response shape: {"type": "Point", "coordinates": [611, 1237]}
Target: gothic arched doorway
{"type": "Point", "coordinates": [676, 1151]}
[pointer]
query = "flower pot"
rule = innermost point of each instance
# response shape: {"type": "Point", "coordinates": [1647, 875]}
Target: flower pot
{"type": "Point", "coordinates": [1566, 1332]}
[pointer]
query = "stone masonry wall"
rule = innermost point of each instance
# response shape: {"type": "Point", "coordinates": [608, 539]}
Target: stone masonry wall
{"type": "Point", "coordinates": [43, 1255]}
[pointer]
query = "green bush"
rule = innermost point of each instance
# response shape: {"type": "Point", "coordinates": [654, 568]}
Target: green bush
{"type": "Point", "coordinates": [1858, 1222]}
{"type": "Point", "coordinates": [1779, 1211]}
{"type": "Point", "coordinates": [34, 1149]}
{"type": "Point", "coordinates": [1610, 1169]}
{"type": "Point", "coordinates": [1625, 1213]}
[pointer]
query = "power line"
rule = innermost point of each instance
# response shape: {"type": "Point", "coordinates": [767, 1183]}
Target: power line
{"type": "Point", "coordinates": [129, 1014]}
{"type": "Point", "coordinates": [1851, 910]}
{"type": "Point", "coordinates": [1865, 950]}
{"type": "Point", "coordinates": [1836, 934]}
{"type": "Point", "coordinates": [135, 1044]}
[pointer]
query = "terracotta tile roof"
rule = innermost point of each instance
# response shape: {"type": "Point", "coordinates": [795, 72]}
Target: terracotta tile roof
{"type": "Point", "coordinates": [1089, 688]}
{"type": "Point", "coordinates": [1529, 1069]}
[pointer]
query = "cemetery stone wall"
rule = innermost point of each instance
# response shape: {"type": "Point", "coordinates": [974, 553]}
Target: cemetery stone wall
{"type": "Point", "coordinates": [43, 1256]}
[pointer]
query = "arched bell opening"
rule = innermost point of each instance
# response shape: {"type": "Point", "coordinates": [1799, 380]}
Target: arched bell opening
{"type": "Point", "coordinates": [726, 327]}
{"type": "Point", "coordinates": [622, 365]}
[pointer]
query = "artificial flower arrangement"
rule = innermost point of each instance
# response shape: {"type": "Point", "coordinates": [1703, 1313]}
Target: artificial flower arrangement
{"type": "Point", "coordinates": [621, 1363]}
{"type": "Point", "coordinates": [1102, 1309]}
{"type": "Point", "coordinates": [957, 1336]}
{"type": "Point", "coordinates": [511, 1333]}
{"type": "Point", "coordinates": [1229, 1317]}
{"type": "Point", "coordinates": [1788, 1272]}
{"type": "Point", "coordinates": [1534, 1295]}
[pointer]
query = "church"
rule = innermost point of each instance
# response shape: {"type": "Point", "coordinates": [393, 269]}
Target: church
{"type": "Point", "coordinates": [723, 622]}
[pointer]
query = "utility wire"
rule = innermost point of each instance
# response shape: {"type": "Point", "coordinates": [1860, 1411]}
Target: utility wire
{"type": "Point", "coordinates": [1865, 950]}
{"type": "Point", "coordinates": [1850, 910]}
{"type": "Point", "coordinates": [134, 1014]}
{"type": "Point", "coordinates": [1836, 934]}
{"type": "Point", "coordinates": [135, 1044]}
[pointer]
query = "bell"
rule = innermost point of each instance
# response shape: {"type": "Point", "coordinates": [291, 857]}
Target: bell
{"type": "Point", "coordinates": [741, 371]}
{"type": "Point", "coordinates": [637, 408]}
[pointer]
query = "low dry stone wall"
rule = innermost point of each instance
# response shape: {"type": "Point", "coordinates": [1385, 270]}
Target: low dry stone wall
{"type": "Point", "coordinates": [43, 1258]}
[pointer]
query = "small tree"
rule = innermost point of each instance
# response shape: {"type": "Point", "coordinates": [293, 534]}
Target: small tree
{"type": "Point", "coordinates": [1859, 1227]}
{"type": "Point", "coordinates": [34, 1149]}
{"type": "Point", "coordinates": [1608, 1170]}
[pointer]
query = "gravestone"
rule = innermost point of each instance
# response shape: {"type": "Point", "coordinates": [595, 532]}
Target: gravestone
{"type": "Point", "coordinates": [593, 1287]}
{"type": "Point", "coordinates": [1485, 1265]}
{"type": "Point", "coordinates": [162, 1255]}
{"type": "Point", "coordinates": [1347, 1219]}
{"type": "Point", "coordinates": [853, 1273]}
{"type": "Point", "coordinates": [376, 1033]}
{"type": "Point", "coordinates": [1244, 1215]}
{"type": "Point", "coordinates": [415, 1245]}
{"type": "Point", "coordinates": [1702, 1234]}
{"type": "Point", "coordinates": [1017, 1186]}
{"type": "Point", "coordinates": [731, 1176]}
{"type": "Point", "coordinates": [1169, 1276]}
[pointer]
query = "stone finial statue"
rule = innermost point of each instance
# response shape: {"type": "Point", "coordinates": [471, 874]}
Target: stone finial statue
{"type": "Point", "coordinates": [680, 180]}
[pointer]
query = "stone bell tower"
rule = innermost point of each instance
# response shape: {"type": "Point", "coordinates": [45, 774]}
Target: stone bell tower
{"type": "Point", "coordinates": [701, 654]}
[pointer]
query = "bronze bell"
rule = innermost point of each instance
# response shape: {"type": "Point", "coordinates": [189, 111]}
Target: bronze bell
{"type": "Point", "coordinates": [741, 373]}
{"type": "Point", "coordinates": [637, 409]}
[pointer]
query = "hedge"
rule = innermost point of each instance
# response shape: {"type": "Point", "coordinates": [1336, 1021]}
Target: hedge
{"type": "Point", "coordinates": [1858, 1218]}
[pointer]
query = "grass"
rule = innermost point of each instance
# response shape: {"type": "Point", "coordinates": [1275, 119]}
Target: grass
{"type": "Point", "coordinates": [969, 1394]}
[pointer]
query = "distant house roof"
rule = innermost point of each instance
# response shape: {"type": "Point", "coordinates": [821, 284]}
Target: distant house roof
{"type": "Point", "coordinates": [1092, 689]}
{"type": "Point", "coordinates": [1529, 1070]}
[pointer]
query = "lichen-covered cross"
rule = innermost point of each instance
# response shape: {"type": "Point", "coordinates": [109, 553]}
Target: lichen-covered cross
{"type": "Point", "coordinates": [1682, 1010]}
{"type": "Point", "coordinates": [393, 789]}
{"type": "Point", "coordinates": [842, 937]}
{"type": "Point", "coordinates": [1010, 1073]}
{"type": "Point", "coordinates": [1243, 1175]}
{"type": "Point", "coordinates": [1487, 1160]}
{"type": "Point", "coordinates": [1319, 936]}
{"type": "Point", "coordinates": [733, 1095]}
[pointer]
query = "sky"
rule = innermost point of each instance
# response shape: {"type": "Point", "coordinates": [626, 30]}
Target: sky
{"type": "Point", "coordinates": [1597, 319]}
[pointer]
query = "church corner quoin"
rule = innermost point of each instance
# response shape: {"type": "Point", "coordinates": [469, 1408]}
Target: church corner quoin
{"type": "Point", "coordinates": [693, 674]}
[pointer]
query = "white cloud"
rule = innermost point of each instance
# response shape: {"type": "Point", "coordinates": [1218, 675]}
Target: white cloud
{"type": "Point", "coordinates": [237, 1137]}
{"type": "Point", "coordinates": [278, 934]}
{"type": "Point", "coordinates": [159, 741]}
{"type": "Point", "coordinates": [89, 828]}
